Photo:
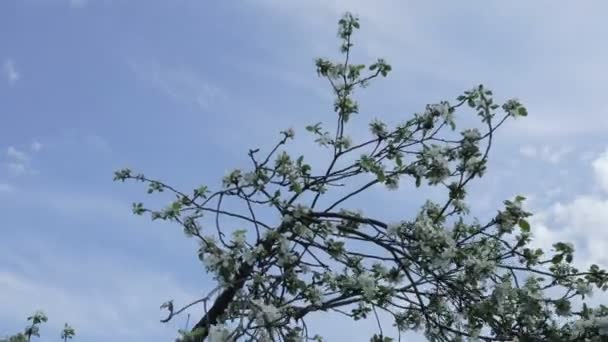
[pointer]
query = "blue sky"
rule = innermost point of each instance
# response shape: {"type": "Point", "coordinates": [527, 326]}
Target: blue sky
{"type": "Point", "coordinates": [180, 90]}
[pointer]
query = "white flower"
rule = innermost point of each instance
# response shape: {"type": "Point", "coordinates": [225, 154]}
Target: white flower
{"type": "Point", "coordinates": [300, 211]}
{"type": "Point", "coordinates": [211, 260]}
{"type": "Point", "coordinates": [367, 284]}
{"type": "Point", "coordinates": [239, 237]}
{"type": "Point", "coordinates": [378, 128]}
{"type": "Point", "coordinates": [394, 229]}
{"type": "Point", "coordinates": [419, 170]}
{"type": "Point", "coordinates": [345, 142]}
{"type": "Point", "coordinates": [443, 109]}
{"type": "Point", "coordinates": [471, 164]}
{"type": "Point", "coordinates": [434, 151]}
{"type": "Point", "coordinates": [324, 139]}
{"type": "Point", "coordinates": [471, 134]}
{"type": "Point", "coordinates": [265, 313]}
{"type": "Point", "coordinates": [248, 256]}
{"type": "Point", "coordinates": [290, 133]}
{"type": "Point", "coordinates": [584, 289]}
{"type": "Point", "coordinates": [380, 269]}
{"type": "Point", "coordinates": [602, 324]}
{"type": "Point", "coordinates": [283, 244]}
{"type": "Point", "coordinates": [287, 218]}
{"type": "Point", "coordinates": [249, 177]}
{"type": "Point", "coordinates": [218, 333]}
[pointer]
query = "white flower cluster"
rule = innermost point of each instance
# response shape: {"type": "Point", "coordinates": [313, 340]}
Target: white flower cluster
{"type": "Point", "coordinates": [444, 110]}
{"type": "Point", "coordinates": [433, 243]}
{"type": "Point", "coordinates": [344, 142]}
{"type": "Point", "coordinates": [436, 156]}
{"type": "Point", "coordinates": [252, 178]}
{"type": "Point", "coordinates": [367, 284]}
{"type": "Point", "coordinates": [250, 255]}
{"type": "Point", "coordinates": [378, 128]}
{"type": "Point", "coordinates": [394, 230]}
{"type": "Point", "coordinates": [300, 211]}
{"type": "Point", "coordinates": [514, 108]}
{"type": "Point", "coordinates": [581, 325]}
{"type": "Point", "coordinates": [218, 333]}
{"type": "Point", "coordinates": [232, 178]}
{"type": "Point", "coordinates": [264, 313]}
{"type": "Point", "coordinates": [324, 139]}
{"type": "Point", "coordinates": [471, 134]}
{"type": "Point", "coordinates": [289, 133]}
{"type": "Point", "coordinates": [483, 263]}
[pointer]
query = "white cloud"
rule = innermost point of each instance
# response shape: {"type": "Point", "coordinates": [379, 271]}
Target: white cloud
{"type": "Point", "coordinates": [16, 168]}
{"type": "Point", "coordinates": [98, 142]}
{"type": "Point", "coordinates": [528, 151]}
{"type": "Point", "coordinates": [36, 146]}
{"type": "Point", "coordinates": [552, 155]}
{"type": "Point", "coordinates": [10, 71]}
{"type": "Point", "coordinates": [91, 292]}
{"type": "Point", "coordinates": [19, 161]}
{"type": "Point", "coordinates": [180, 83]}
{"type": "Point", "coordinates": [5, 187]}
{"type": "Point", "coordinates": [16, 155]}
{"type": "Point", "coordinates": [78, 3]}
{"type": "Point", "coordinates": [600, 168]}
{"type": "Point", "coordinates": [582, 221]}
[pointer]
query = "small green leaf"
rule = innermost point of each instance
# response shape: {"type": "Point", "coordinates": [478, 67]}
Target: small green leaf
{"type": "Point", "coordinates": [522, 111]}
{"type": "Point", "coordinates": [557, 258]}
{"type": "Point", "coordinates": [524, 225]}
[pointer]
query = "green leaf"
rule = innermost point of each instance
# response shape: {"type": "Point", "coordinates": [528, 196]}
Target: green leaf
{"type": "Point", "coordinates": [557, 258]}
{"type": "Point", "coordinates": [138, 208]}
{"type": "Point", "coordinates": [522, 111]}
{"type": "Point", "coordinates": [201, 191]}
{"type": "Point", "coordinates": [524, 225]}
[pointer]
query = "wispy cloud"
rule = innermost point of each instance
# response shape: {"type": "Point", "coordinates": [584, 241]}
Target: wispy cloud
{"type": "Point", "coordinates": [78, 3]}
{"type": "Point", "coordinates": [600, 167]}
{"type": "Point", "coordinates": [5, 187]}
{"type": "Point", "coordinates": [97, 142]}
{"type": "Point", "coordinates": [36, 146]}
{"type": "Point", "coordinates": [121, 293]}
{"type": "Point", "coordinates": [581, 220]}
{"type": "Point", "coordinates": [545, 153]}
{"type": "Point", "coordinates": [10, 71]}
{"type": "Point", "coordinates": [16, 168]}
{"type": "Point", "coordinates": [180, 83]}
{"type": "Point", "coordinates": [18, 162]}
{"type": "Point", "coordinates": [14, 153]}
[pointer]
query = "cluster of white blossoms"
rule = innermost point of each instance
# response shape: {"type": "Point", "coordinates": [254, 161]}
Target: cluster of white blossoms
{"type": "Point", "coordinates": [324, 139]}
{"type": "Point", "coordinates": [394, 230]}
{"type": "Point", "coordinates": [431, 243]}
{"type": "Point", "coordinates": [593, 321]}
{"type": "Point", "coordinates": [264, 313]}
{"type": "Point", "coordinates": [444, 110]}
{"type": "Point", "coordinates": [367, 284]}
{"type": "Point", "coordinates": [436, 157]}
{"type": "Point", "coordinates": [514, 108]}
{"type": "Point", "coordinates": [250, 255]}
{"type": "Point", "coordinates": [251, 178]}
{"type": "Point", "coordinates": [344, 142]}
{"type": "Point", "coordinates": [218, 333]}
{"type": "Point", "coordinates": [378, 128]}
